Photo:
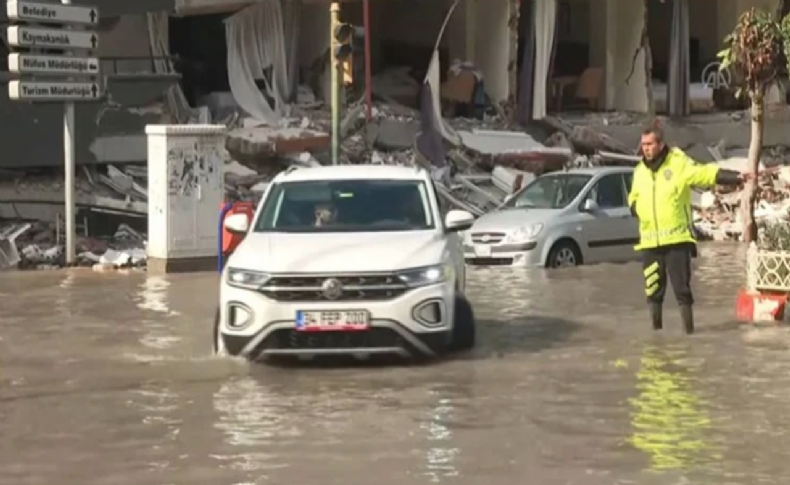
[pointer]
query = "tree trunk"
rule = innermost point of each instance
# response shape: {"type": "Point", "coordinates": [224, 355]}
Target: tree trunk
{"type": "Point", "coordinates": [748, 198]}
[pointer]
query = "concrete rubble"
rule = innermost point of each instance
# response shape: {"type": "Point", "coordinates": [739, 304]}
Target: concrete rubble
{"type": "Point", "coordinates": [716, 212]}
{"type": "Point", "coordinates": [487, 160]}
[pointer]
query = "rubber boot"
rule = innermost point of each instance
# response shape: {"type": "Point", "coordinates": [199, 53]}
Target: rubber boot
{"type": "Point", "coordinates": [687, 315]}
{"type": "Point", "coordinates": [656, 315]}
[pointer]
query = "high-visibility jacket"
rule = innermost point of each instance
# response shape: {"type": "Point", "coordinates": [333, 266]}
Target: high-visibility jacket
{"type": "Point", "coordinates": [661, 198]}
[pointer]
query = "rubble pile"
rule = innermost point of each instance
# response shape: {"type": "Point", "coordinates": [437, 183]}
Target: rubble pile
{"type": "Point", "coordinates": [482, 160]}
{"type": "Point", "coordinates": [717, 215]}
{"type": "Point", "coordinates": [40, 245]}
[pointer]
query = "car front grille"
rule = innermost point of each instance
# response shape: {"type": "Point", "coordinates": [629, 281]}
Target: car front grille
{"type": "Point", "coordinates": [373, 338]}
{"type": "Point", "coordinates": [489, 261]}
{"type": "Point", "coordinates": [355, 287]}
{"type": "Point", "coordinates": [487, 237]}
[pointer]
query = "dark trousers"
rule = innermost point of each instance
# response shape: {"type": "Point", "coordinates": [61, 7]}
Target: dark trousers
{"type": "Point", "coordinates": [672, 263]}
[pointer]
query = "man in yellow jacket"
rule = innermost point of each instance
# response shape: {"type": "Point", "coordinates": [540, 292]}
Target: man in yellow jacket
{"type": "Point", "coordinates": [660, 198]}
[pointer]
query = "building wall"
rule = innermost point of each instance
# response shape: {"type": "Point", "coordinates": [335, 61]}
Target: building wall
{"type": "Point", "coordinates": [493, 46]}
{"type": "Point", "coordinates": [314, 41]}
{"type": "Point", "coordinates": [125, 39]}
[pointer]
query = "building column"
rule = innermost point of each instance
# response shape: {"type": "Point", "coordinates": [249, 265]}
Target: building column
{"type": "Point", "coordinates": [624, 22]}
{"type": "Point", "coordinates": [470, 22]}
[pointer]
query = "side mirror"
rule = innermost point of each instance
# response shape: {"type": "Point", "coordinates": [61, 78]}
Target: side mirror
{"type": "Point", "coordinates": [237, 223]}
{"type": "Point", "coordinates": [457, 220]}
{"type": "Point", "coordinates": [590, 206]}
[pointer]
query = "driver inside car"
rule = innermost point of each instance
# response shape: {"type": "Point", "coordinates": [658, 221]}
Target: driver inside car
{"type": "Point", "coordinates": [325, 214]}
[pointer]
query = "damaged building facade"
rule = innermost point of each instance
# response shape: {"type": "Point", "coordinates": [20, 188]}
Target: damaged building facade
{"type": "Point", "coordinates": [550, 55]}
{"type": "Point", "coordinates": [262, 68]}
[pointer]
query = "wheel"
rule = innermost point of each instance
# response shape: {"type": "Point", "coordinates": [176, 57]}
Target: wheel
{"type": "Point", "coordinates": [464, 331]}
{"type": "Point", "coordinates": [564, 254]}
{"type": "Point", "coordinates": [219, 344]}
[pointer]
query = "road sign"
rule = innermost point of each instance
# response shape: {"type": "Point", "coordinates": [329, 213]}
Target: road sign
{"type": "Point", "coordinates": [51, 38]}
{"type": "Point", "coordinates": [53, 65]}
{"type": "Point", "coordinates": [54, 91]}
{"type": "Point", "coordinates": [52, 13]}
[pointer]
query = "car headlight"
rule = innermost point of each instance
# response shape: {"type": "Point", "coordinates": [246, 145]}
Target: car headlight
{"type": "Point", "coordinates": [525, 233]}
{"type": "Point", "coordinates": [429, 275]}
{"type": "Point", "coordinates": [242, 278]}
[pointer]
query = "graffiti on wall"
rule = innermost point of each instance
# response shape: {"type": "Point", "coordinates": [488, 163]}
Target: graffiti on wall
{"type": "Point", "coordinates": [191, 166]}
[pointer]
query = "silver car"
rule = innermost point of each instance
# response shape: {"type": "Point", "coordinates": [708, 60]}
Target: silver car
{"type": "Point", "coordinates": [579, 216]}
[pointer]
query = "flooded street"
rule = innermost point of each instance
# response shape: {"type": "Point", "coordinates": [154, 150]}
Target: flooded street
{"type": "Point", "coordinates": [108, 379]}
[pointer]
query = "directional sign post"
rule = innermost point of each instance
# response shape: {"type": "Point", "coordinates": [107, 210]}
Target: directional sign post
{"type": "Point", "coordinates": [51, 38]}
{"type": "Point", "coordinates": [66, 78]}
{"type": "Point", "coordinates": [53, 91]}
{"type": "Point", "coordinates": [52, 65]}
{"type": "Point", "coordinates": [51, 13]}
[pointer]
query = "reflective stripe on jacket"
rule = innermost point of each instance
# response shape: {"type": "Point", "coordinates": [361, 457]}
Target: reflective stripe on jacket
{"type": "Point", "coordinates": [662, 198]}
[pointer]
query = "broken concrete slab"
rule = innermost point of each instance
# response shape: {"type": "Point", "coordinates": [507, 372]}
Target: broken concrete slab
{"type": "Point", "coordinates": [9, 253]}
{"type": "Point", "coordinates": [254, 144]}
{"type": "Point", "coordinates": [387, 134]}
{"type": "Point", "coordinates": [700, 153]}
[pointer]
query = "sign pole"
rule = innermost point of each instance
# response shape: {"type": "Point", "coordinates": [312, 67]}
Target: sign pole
{"type": "Point", "coordinates": [69, 182]}
{"type": "Point", "coordinates": [334, 19]}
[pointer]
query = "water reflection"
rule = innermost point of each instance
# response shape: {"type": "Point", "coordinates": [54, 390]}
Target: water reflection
{"type": "Point", "coordinates": [160, 410]}
{"type": "Point", "coordinates": [153, 295]}
{"type": "Point", "coordinates": [254, 422]}
{"type": "Point", "coordinates": [63, 301]}
{"type": "Point", "coordinates": [668, 418]}
{"type": "Point", "coordinates": [158, 334]}
{"type": "Point", "coordinates": [441, 457]}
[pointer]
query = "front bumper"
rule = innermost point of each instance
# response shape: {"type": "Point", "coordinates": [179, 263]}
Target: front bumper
{"type": "Point", "coordinates": [270, 329]}
{"type": "Point", "coordinates": [529, 254]}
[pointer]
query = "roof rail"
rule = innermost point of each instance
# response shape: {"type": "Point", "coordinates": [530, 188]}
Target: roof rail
{"type": "Point", "coordinates": [292, 168]}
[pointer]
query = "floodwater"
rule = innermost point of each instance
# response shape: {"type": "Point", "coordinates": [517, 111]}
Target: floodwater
{"type": "Point", "coordinates": [108, 379]}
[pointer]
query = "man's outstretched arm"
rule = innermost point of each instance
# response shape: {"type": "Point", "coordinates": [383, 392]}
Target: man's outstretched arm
{"type": "Point", "coordinates": [708, 175]}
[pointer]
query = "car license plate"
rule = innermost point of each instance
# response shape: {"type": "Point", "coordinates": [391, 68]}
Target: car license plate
{"type": "Point", "coordinates": [483, 251]}
{"type": "Point", "coordinates": [334, 320]}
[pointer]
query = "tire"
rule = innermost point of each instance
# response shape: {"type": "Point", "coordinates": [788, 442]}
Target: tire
{"type": "Point", "coordinates": [564, 254]}
{"type": "Point", "coordinates": [217, 345]}
{"type": "Point", "coordinates": [464, 332]}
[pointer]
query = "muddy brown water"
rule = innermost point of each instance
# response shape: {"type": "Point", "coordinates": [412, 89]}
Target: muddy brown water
{"type": "Point", "coordinates": [108, 379]}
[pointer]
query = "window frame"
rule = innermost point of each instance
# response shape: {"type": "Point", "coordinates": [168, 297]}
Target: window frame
{"type": "Point", "coordinates": [595, 185]}
{"type": "Point", "coordinates": [271, 203]}
{"type": "Point", "coordinates": [536, 180]}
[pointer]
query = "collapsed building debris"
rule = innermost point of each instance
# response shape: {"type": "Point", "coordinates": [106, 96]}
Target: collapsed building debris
{"type": "Point", "coordinates": [477, 158]}
{"type": "Point", "coordinates": [716, 212]}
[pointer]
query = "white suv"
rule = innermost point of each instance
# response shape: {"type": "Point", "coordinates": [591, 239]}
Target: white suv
{"type": "Point", "coordinates": [348, 260]}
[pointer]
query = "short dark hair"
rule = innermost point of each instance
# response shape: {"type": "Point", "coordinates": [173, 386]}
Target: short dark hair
{"type": "Point", "coordinates": [655, 131]}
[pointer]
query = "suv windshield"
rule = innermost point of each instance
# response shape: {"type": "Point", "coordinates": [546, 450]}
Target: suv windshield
{"type": "Point", "coordinates": [346, 206]}
{"type": "Point", "coordinates": [549, 192]}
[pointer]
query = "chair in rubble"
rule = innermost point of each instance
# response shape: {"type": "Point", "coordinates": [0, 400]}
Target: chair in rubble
{"type": "Point", "coordinates": [588, 89]}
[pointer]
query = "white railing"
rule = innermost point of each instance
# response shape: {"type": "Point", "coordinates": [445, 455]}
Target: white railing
{"type": "Point", "coordinates": [767, 270]}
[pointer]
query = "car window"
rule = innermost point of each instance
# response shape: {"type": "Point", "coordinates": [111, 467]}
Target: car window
{"type": "Point", "coordinates": [608, 192]}
{"type": "Point", "coordinates": [346, 206]}
{"type": "Point", "coordinates": [629, 179]}
{"type": "Point", "coordinates": [553, 191]}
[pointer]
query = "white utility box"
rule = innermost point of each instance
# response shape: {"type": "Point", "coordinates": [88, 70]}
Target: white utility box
{"type": "Point", "coordinates": [185, 193]}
